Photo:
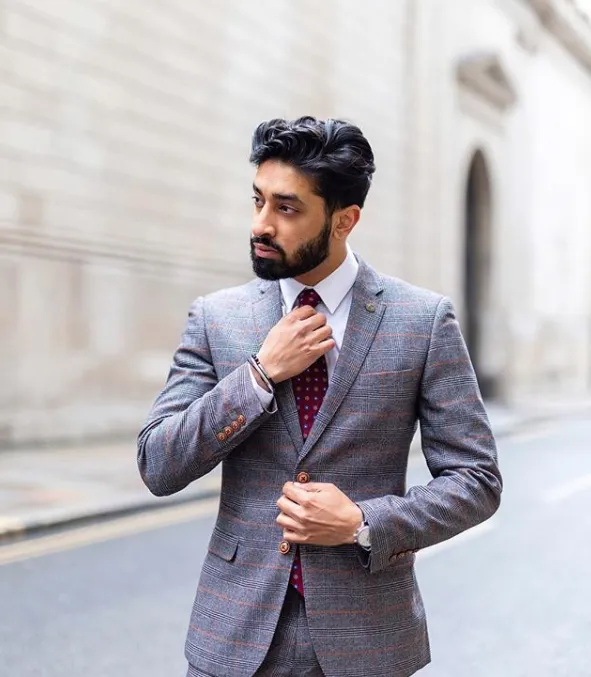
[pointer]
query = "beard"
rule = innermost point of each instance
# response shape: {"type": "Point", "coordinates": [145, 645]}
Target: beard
{"type": "Point", "coordinates": [309, 256]}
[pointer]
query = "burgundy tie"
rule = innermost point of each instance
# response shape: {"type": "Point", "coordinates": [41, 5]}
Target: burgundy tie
{"type": "Point", "coordinates": [309, 389]}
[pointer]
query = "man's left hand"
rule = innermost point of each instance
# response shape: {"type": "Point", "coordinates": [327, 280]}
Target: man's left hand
{"type": "Point", "coordinates": [317, 514]}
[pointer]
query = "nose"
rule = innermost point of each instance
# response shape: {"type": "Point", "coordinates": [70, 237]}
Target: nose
{"type": "Point", "coordinates": [262, 224]}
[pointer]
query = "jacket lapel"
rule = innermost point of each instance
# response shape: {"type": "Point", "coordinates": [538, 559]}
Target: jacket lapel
{"type": "Point", "coordinates": [365, 317]}
{"type": "Point", "coordinates": [267, 311]}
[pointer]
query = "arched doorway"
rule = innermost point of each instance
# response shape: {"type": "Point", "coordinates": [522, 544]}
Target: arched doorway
{"type": "Point", "coordinates": [477, 269]}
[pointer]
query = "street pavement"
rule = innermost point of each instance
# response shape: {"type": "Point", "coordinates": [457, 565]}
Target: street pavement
{"type": "Point", "coordinates": [41, 488]}
{"type": "Point", "coordinates": [510, 598]}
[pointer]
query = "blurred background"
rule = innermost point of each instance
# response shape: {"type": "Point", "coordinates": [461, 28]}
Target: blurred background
{"type": "Point", "coordinates": [125, 185]}
{"type": "Point", "coordinates": [125, 193]}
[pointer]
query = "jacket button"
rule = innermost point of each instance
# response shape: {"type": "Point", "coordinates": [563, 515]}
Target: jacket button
{"type": "Point", "coordinates": [303, 477]}
{"type": "Point", "coordinates": [221, 437]}
{"type": "Point", "coordinates": [241, 419]}
{"type": "Point", "coordinates": [228, 430]}
{"type": "Point", "coordinates": [235, 426]}
{"type": "Point", "coordinates": [284, 547]}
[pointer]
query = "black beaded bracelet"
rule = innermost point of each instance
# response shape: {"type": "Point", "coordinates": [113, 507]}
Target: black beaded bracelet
{"type": "Point", "coordinates": [254, 360]}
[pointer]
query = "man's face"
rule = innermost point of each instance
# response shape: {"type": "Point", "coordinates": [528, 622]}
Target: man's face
{"type": "Point", "coordinates": [291, 233]}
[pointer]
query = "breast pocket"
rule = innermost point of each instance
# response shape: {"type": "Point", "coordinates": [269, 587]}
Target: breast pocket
{"type": "Point", "coordinates": [390, 383]}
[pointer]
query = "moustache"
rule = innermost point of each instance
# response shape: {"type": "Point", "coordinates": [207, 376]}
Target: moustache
{"type": "Point", "coordinates": [266, 243]}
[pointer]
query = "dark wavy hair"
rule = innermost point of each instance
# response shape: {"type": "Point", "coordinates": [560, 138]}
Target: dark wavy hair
{"type": "Point", "coordinates": [332, 153]}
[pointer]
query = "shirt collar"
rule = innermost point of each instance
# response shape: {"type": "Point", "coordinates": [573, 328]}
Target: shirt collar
{"type": "Point", "coordinates": [332, 290]}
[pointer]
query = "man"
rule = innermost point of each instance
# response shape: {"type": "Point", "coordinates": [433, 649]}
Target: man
{"type": "Point", "coordinates": [307, 384]}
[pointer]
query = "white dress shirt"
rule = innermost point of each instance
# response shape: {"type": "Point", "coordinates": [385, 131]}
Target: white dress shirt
{"type": "Point", "coordinates": [336, 292]}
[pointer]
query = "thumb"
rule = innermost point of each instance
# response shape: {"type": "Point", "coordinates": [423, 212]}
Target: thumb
{"type": "Point", "coordinates": [313, 486]}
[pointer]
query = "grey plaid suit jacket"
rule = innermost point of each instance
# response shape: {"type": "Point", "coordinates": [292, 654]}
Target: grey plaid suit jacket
{"type": "Point", "coordinates": [403, 361]}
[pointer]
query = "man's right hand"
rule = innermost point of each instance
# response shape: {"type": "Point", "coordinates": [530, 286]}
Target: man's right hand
{"type": "Point", "coordinates": [295, 342]}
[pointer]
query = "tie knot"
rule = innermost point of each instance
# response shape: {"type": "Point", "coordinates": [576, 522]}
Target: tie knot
{"type": "Point", "coordinates": [307, 297]}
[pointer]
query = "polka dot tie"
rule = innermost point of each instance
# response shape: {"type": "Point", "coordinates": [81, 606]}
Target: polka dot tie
{"type": "Point", "coordinates": [309, 389]}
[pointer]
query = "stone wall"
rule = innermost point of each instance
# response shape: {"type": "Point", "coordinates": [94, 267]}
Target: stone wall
{"type": "Point", "coordinates": [124, 180]}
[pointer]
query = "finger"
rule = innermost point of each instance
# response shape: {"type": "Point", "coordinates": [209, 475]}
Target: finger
{"type": "Point", "coordinates": [323, 347]}
{"type": "Point", "coordinates": [318, 486]}
{"type": "Point", "coordinates": [314, 486]}
{"type": "Point", "coordinates": [302, 313]}
{"type": "Point", "coordinates": [315, 321]}
{"type": "Point", "coordinates": [294, 492]}
{"type": "Point", "coordinates": [322, 333]}
{"type": "Point", "coordinates": [294, 536]}
{"type": "Point", "coordinates": [289, 524]}
{"type": "Point", "coordinates": [288, 507]}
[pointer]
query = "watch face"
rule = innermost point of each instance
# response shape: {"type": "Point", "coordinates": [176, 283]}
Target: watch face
{"type": "Point", "coordinates": [363, 537]}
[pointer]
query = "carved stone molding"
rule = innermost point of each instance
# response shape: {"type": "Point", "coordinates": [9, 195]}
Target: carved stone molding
{"type": "Point", "coordinates": [568, 24]}
{"type": "Point", "coordinates": [485, 76]}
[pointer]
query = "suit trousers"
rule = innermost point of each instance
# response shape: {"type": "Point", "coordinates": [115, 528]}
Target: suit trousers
{"type": "Point", "coordinates": [291, 653]}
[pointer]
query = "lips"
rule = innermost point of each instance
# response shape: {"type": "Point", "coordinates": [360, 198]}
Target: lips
{"type": "Point", "coordinates": [265, 252]}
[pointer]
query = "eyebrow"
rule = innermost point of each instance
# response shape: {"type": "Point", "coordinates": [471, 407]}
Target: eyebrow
{"type": "Point", "coordinates": [281, 197]}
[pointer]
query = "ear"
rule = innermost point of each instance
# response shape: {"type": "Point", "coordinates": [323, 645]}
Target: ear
{"type": "Point", "coordinates": [344, 221]}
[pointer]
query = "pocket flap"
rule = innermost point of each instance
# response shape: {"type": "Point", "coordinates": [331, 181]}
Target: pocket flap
{"type": "Point", "coordinates": [223, 545]}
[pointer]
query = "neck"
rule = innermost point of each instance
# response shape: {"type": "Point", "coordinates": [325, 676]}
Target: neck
{"type": "Point", "coordinates": [326, 268]}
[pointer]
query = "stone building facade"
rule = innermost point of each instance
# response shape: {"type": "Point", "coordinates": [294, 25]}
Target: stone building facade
{"type": "Point", "coordinates": [124, 180]}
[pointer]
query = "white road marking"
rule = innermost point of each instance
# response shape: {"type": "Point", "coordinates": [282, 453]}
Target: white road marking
{"type": "Point", "coordinates": [105, 531]}
{"type": "Point", "coordinates": [471, 534]}
{"type": "Point", "coordinates": [568, 489]}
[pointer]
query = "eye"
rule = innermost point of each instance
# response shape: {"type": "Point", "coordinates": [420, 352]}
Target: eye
{"type": "Point", "coordinates": [258, 201]}
{"type": "Point", "coordinates": [286, 209]}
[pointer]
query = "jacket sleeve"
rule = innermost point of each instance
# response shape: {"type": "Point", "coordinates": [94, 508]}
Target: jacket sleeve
{"type": "Point", "coordinates": [196, 421]}
{"type": "Point", "coordinates": [460, 451]}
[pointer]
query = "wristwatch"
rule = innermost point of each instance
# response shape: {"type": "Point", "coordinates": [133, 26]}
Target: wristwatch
{"type": "Point", "coordinates": [362, 536]}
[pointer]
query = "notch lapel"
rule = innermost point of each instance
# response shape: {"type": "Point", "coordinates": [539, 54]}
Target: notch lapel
{"type": "Point", "coordinates": [267, 311]}
{"type": "Point", "coordinates": [365, 317]}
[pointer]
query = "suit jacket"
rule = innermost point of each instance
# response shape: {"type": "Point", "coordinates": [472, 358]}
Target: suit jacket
{"type": "Point", "coordinates": [403, 361]}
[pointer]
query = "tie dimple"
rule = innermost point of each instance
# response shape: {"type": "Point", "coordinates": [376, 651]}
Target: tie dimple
{"type": "Point", "coordinates": [309, 389]}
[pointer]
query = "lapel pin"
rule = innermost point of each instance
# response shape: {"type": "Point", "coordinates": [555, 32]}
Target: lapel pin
{"type": "Point", "coordinates": [370, 307]}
